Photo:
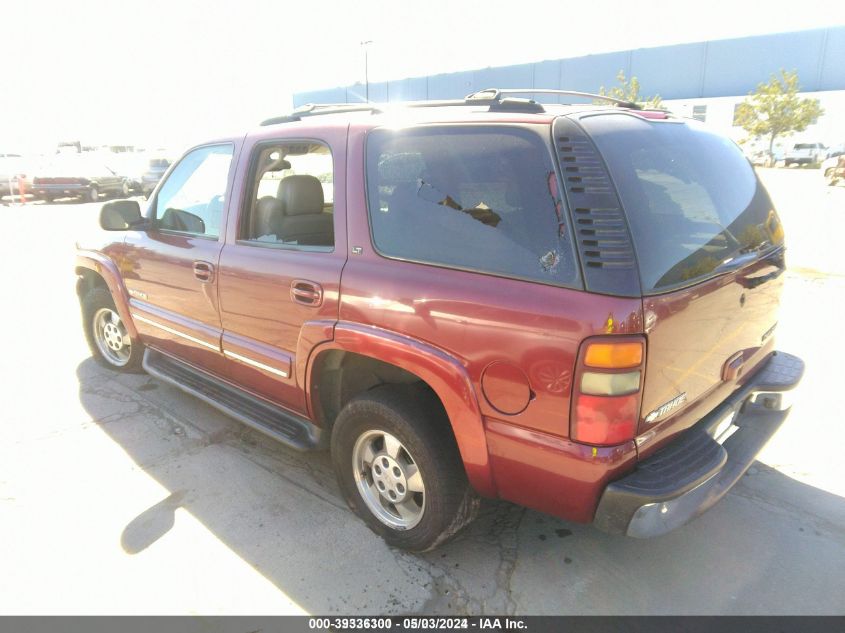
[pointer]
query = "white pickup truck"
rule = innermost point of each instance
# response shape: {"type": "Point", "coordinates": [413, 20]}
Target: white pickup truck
{"type": "Point", "coordinates": [804, 153]}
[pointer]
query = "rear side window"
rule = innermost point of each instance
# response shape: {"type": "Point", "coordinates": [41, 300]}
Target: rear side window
{"type": "Point", "coordinates": [292, 204]}
{"type": "Point", "coordinates": [475, 198]}
{"type": "Point", "coordinates": [692, 200]}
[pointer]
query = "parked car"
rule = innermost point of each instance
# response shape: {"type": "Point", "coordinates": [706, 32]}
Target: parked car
{"type": "Point", "coordinates": [141, 171]}
{"type": "Point", "coordinates": [805, 154]}
{"type": "Point", "coordinates": [14, 178]}
{"type": "Point", "coordinates": [570, 307]}
{"type": "Point", "coordinates": [76, 175]}
{"type": "Point", "coordinates": [155, 169]}
{"type": "Point", "coordinates": [763, 158]}
{"type": "Point", "coordinates": [129, 166]}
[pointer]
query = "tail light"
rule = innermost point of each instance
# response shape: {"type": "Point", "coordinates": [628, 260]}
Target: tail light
{"type": "Point", "coordinates": [607, 390]}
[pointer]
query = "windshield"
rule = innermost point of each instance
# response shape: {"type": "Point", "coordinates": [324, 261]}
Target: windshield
{"type": "Point", "coordinates": [693, 201]}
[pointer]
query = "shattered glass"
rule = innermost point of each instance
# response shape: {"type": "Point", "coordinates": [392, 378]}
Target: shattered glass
{"type": "Point", "coordinates": [479, 198]}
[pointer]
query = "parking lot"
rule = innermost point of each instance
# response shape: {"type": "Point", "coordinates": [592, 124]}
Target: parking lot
{"type": "Point", "coordinates": [119, 494]}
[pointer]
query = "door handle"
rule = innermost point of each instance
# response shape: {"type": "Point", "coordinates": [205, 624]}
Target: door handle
{"type": "Point", "coordinates": [203, 271]}
{"type": "Point", "coordinates": [306, 292]}
{"type": "Point", "coordinates": [732, 369]}
{"type": "Point", "coordinates": [753, 282]}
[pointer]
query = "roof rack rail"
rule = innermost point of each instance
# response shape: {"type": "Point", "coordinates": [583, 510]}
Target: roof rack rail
{"type": "Point", "coordinates": [315, 109]}
{"type": "Point", "coordinates": [494, 96]}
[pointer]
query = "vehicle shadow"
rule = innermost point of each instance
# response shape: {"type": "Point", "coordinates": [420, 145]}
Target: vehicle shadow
{"type": "Point", "coordinates": [281, 512]}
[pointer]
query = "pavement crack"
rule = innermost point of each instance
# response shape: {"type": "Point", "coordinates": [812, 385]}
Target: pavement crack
{"type": "Point", "coordinates": [508, 539]}
{"type": "Point", "coordinates": [460, 587]}
{"type": "Point", "coordinates": [447, 597]}
{"type": "Point", "coordinates": [784, 507]}
{"type": "Point", "coordinates": [258, 458]}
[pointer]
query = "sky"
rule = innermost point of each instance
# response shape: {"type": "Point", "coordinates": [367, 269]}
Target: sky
{"type": "Point", "coordinates": [172, 73]}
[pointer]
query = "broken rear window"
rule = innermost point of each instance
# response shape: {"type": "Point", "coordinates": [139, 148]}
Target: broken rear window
{"type": "Point", "coordinates": [694, 203]}
{"type": "Point", "coordinates": [475, 198]}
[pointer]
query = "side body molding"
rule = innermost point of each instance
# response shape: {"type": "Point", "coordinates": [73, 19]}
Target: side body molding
{"type": "Point", "coordinates": [446, 376]}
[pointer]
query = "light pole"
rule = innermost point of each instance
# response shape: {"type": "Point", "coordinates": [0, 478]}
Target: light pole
{"type": "Point", "coordinates": [366, 71]}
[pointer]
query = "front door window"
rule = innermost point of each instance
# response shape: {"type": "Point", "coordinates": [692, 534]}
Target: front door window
{"type": "Point", "coordinates": [192, 198]}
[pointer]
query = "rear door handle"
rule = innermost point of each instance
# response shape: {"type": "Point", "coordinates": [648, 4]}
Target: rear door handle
{"type": "Point", "coordinates": [732, 369]}
{"type": "Point", "coordinates": [204, 271]}
{"type": "Point", "coordinates": [753, 282]}
{"type": "Point", "coordinates": [306, 292]}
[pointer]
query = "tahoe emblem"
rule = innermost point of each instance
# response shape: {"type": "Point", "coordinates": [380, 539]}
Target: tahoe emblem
{"type": "Point", "coordinates": [663, 409]}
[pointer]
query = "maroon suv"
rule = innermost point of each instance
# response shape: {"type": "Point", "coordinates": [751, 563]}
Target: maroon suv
{"type": "Point", "coordinates": [570, 307]}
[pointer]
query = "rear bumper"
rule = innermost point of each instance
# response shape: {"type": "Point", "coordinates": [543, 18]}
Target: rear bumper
{"type": "Point", "coordinates": [687, 477]}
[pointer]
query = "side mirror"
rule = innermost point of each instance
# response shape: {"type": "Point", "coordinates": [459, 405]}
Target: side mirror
{"type": "Point", "coordinates": [121, 215]}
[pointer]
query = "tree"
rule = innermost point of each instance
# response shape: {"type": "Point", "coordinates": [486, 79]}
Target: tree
{"type": "Point", "coordinates": [629, 90]}
{"type": "Point", "coordinates": [775, 109]}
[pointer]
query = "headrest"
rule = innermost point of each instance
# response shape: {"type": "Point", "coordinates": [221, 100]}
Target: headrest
{"type": "Point", "coordinates": [268, 213]}
{"type": "Point", "coordinates": [268, 206]}
{"type": "Point", "coordinates": [301, 194]}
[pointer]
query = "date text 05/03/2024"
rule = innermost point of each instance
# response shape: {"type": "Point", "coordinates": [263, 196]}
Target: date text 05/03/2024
{"type": "Point", "coordinates": [416, 623]}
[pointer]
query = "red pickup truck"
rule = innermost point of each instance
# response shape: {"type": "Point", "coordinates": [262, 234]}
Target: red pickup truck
{"type": "Point", "coordinates": [570, 307]}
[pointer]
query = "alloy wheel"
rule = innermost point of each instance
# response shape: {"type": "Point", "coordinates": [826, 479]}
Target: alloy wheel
{"type": "Point", "coordinates": [111, 337]}
{"type": "Point", "coordinates": [388, 479]}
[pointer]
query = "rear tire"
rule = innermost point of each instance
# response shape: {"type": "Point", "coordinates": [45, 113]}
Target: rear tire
{"type": "Point", "coordinates": [94, 194]}
{"type": "Point", "coordinates": [107, 337]}
{"type": "Point", "coordinates": [399, 468]}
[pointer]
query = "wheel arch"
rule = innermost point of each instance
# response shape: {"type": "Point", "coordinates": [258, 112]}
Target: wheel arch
{"type": "Point", "coordinates": [95, 269]}
{"type": "Point", "coordinates": [408, 357]}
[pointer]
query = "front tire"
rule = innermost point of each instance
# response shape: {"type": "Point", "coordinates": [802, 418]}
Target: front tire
{"type": "Point", "coordinates": [94, 194]}
{"type": "Point", "coordinates": [106, 334]}
{"type": "Point", "coordinates": [399, 468]}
